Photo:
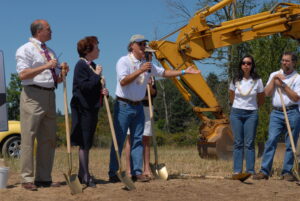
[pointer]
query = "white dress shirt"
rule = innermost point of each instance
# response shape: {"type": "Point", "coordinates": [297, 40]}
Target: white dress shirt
{"type": "Point", "coordinates": [136, 90]}
{"type": "Point", "coordinates": [243, 100]}
{"type": "Point", "coordinates": [293, 81]}
{"type": "Point", "coordinates": [30, 55]}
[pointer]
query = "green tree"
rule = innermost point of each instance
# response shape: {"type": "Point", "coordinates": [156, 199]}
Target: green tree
{"type": "Point", "coordinates": [13, 97]}
{"type": "Point", "coordinates": [179, 111]}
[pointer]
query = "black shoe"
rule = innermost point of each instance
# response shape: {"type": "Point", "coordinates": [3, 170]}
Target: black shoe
{"type": "Point", "coordinates": [114, 179]}
{"type": "Point", "coordinates": [46, 184]}
{"type": "Point", "coordinates": [80, 179]}
{"type": "Point", "coordinates": [91, 183]}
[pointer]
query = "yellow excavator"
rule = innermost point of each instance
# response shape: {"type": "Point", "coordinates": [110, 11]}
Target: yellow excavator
{"type": "Point", "coordinates": [197, 40]}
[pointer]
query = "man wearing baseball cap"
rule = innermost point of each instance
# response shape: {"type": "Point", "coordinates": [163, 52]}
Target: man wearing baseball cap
{"type": "Point", "coordinates": [133, 73]}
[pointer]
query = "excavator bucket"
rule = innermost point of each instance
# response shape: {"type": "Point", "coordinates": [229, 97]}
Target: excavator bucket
{"type": "Point", "coordinates": [218, 144]}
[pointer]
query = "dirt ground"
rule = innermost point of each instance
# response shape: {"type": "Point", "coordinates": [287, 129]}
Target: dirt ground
{"type": "Point", "coordinates": [177, 160]}
{"type": "Point", "coordinates": [158, 190]}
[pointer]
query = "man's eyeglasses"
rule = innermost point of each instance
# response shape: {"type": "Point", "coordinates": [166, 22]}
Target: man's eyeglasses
{"type": "Point", "coordinates": [142, 43]}
{"type": "Point", "coordinates": [246, 63]}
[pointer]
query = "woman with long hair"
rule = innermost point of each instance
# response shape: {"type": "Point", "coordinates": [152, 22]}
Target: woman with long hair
{"type": "Point", "coordinates": [246, 94]}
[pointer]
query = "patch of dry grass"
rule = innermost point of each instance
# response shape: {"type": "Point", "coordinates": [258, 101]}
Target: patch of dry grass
{"type": "Point", "coordinates": [178, 160]}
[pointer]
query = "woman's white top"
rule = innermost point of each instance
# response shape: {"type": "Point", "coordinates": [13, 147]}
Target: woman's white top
{"type": "Point", "coordinates": [246, 92]}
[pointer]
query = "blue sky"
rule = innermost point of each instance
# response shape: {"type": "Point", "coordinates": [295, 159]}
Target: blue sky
{"type": "Point", "coordinates": [113, 22]}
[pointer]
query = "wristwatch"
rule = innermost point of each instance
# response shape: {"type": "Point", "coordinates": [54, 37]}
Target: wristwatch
{"type": "Point", "coordinates": [283, 85]}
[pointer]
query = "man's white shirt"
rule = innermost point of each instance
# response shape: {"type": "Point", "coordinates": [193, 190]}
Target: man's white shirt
{"type": "Point", "coordinates": [30, 56]}
{"type": "Point", "coordinates": [134, 91]}
{"type": "Point", "coordinates": [293, 81]}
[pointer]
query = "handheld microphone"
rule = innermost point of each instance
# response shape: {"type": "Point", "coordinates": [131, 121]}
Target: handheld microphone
{"type": "Point", "coordinates": [147, 56]}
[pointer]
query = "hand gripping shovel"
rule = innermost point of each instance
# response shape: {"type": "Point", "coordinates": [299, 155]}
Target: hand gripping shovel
{"type": "Point", "coordinates": [158, 170]}
{"type": "Point", "coordinates": [295, 168]}
{"type": "Point", "coordinates": [120, 173]}
{"type": "Point", "coordinates": [71, 179]}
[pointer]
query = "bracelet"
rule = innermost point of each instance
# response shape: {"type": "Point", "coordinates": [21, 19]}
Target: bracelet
{"type": "Point", "coordinates": [182, 72]}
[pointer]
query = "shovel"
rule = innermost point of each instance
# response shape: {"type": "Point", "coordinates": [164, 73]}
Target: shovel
{"type": "Point", "coordinates": [158, 170]}
{"type": "Point", "coordinates": [120, 173]}
{"type": "Point", "coordinates": [241, 176]}
{"type": "Point", "coordinates": [296, 167]}
{"type": "Point", "coordinates": [71, 179]}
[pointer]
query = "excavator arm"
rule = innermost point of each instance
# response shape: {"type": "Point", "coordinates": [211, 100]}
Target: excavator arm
{"type": "Point", "coordinates": [197, 40]}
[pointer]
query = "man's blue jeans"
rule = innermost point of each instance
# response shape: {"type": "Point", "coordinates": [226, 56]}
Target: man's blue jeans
{"type": "Point", "coordinates": [132, 117]}
{"type": "Point", "coordinates": [277, 126]}
{"type": "Point", "coordinates": [243, 124]}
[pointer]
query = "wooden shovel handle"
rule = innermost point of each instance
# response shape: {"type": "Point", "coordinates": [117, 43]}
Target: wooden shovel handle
{"type": "Point", "coordinates": [151, 119]}
{"type": "Point", "coordinates": [287, 122]}
{"type": "Point", "coordinates": [112, 129]}
{"type": "Point", "coordinates": [66, 111]}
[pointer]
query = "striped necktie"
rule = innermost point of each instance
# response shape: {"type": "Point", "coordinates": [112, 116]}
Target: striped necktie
{"type": "Point", "coordinates": [47, 55]}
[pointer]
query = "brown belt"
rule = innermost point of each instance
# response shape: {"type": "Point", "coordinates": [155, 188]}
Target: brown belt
{"type": "Point", "coordinates": [42, 88]}
{"type": "Point", "coordinates": [129, 101]}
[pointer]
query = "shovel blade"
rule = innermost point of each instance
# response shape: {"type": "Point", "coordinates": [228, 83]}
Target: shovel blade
{"type": "Point", "coordinates": [159, 171]}
{"type": "Point", "coordinates": [296, 170]}
{"type": "Point", "coordinates": [126, 180]}
{"type": "Point", "coordinates": [162, 171]}
{"type": "Point", "coordinates": [73, 183]}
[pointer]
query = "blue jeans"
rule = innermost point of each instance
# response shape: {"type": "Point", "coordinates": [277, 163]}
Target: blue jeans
{"type": "Point", "coordinates": [277, 126]}
{"type": "Point", "coordinates": [243, 124]}
{"type": "Point", "coordinates": [132, 117]}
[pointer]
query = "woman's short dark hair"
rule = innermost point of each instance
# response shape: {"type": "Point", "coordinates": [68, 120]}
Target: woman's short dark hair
{"type": "Point", "coordinates": [86, 45]}
{"type": "Point", "coordinates": [239, 76]}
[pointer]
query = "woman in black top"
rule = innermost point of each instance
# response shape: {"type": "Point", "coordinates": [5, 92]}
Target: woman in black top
{"type": "Point", "coordinates": [85, 103]}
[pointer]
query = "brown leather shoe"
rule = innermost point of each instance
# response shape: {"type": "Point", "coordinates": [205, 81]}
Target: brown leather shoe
{"type": "Point", "coordinates": [288, 177]}
{"type": "Point", "coordinates": [260, 176]}
{"type": "Point", "coordinates": [46, 184]}
{"type": "Point", "coordinates": [140, 178]}
{"type": "Point", "coordinates": [29, 186]}
{"type": "Point", "coordinates": [241, 176]}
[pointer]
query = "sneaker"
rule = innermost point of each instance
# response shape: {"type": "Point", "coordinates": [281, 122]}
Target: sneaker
{"type": "Point", "coordinates": [260, 176]}
{"type": "Point", "coordinates": [288, 177]}
{"type": "Point", "coordinates": [114, 179]}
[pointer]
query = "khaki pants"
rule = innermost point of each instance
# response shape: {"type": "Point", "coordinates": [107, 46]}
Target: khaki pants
{"type": "Point", "coordinates": [38, 121]}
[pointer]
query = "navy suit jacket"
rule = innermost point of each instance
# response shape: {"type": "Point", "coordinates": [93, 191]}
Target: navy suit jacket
{"type": "Point", "coordinates": [86, 86]}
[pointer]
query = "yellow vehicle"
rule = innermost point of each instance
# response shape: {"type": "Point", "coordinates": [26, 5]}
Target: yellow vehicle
{"type": "Point", "coordinates": [10, 141]}
{"type": "Point", "coordinates": [197, 40]}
